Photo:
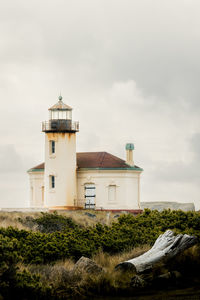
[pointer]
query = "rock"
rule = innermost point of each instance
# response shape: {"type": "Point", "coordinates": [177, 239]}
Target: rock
{"type": "Point", "coordinates": [90, 215]}
{"type": "Point", "coordinates": [137, 282]}
{"type": "Point", "coordinates": [87, 265]}
{"type": "Point", "coordinates": [160, 206]}
{"type": "Point", "coordinates": [116, 216]}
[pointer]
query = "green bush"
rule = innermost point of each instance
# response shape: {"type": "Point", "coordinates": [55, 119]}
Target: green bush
{"type": "Point", "coordinates": [62, 238]}
{"type": "Point", "coordinates": [15, 284]}
{"type": "Point", "coordinates": [59, 237]}
{"type": "Point", "coordinates": [49, 222]}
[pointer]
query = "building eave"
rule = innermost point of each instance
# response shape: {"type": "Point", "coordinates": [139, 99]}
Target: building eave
{"type": "Point", "coordinates": [111, 169]}
{"type": "Point", "coordinates": [97, 169]}
{"type": "Point", "coordinates": [35, 170]}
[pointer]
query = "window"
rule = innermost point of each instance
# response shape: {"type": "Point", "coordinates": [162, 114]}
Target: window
{"type": "Point", "coordinates": [54, 115]}
{"type": "Point", "coordinates": [112, 193]}
{"type": "Point", "coordinates": [69, 114]}
{"type": "Point", "coordinates": [52, 181]}
{"type": "Point", "coordinates": [53, 144]}
{"type": "Point", "coordinates": [52, 147]}
{"type": "Point", "coordinates": [60, 115]}
{"type": "Point", "coordinates": [90, 194]}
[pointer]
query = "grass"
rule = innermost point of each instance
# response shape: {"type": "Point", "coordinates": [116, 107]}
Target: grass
{"type": "Point", "coordinates": [8, 219]}
{"type": "Point", "coordinates": [65, 283]}
{"type": "Point", "coordinates": [13, 218]}
{"type": "Point", "coordinates": [110, 261]}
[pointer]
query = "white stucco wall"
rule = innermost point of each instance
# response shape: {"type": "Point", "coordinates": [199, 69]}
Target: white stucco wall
{"type": "Point", "coordinates": [127, 184]}
{"type": "Point", "coordinates": [62, 165]}
{"type": "Point", "coordinates": [36, 189]}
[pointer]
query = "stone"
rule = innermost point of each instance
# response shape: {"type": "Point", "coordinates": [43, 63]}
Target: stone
{"type": "Point", "coordinates": [160, 206]}
{"type": "Point", "coordinates": [116, 216]}
{"type": "Point", "coordinates": [90, 215]}
{"type": "Point", "coordinates": [137, 282]}
{"type": "Point", "coordinates": [87, 265]}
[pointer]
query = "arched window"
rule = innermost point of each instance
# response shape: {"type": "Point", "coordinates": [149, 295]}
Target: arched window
{"type": "Point", "coordinates": [112, 193]}
{"type": "Point", "coordinates": [90, 195]}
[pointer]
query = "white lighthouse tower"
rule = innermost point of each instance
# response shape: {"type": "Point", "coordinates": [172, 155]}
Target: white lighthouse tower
{"type": "Point", "coordinates": [60, 157]}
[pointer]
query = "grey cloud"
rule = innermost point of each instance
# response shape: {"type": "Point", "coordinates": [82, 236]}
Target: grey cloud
{"type": "Point", "coordinates": [178, 172]}
{"type": "Point", "coordinates": [114, 42]}
{"type": "Point", "coordinates": [10, 160]}
{"type": "Point", "coordinates": [185, 170]}
{"type": "Point", "coordinates": [129, 68]}
{"type": "Point", "coordinates": [195, 147]}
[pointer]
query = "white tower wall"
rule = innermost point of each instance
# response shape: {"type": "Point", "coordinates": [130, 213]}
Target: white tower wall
{"type": "Point", "coordinates": [61, 165]}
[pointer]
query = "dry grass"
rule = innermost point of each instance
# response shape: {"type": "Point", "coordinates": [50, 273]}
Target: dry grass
{"type": "Point", "coordinates": [111, 281]}
{"type": "Point", "coordinates": [12, 219]}
{"type": "Point", "coordinates": [79, 216]}
{"type": "Point", "coordinates": [110, 261]}
{"type": "Point", "coordinates": [52, 275]}
{"type": "Point", "coordinates": [66, 282]}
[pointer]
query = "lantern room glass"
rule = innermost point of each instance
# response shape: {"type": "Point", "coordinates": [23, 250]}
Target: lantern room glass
{"type": "Point", "coordinates": [61, 115]}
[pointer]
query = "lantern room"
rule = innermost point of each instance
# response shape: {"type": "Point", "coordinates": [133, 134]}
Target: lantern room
{"type": "Point", "coordinates": [60, 119]}
{"type": "Point", "coordinates": [60, 111]}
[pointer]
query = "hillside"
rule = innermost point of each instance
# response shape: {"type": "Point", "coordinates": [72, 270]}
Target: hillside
{"type": "Point", "coordinates": [39, 251]}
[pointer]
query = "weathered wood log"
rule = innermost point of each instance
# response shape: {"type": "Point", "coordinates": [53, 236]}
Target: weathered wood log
{"type": "Point", "coordinates": [165, 247]}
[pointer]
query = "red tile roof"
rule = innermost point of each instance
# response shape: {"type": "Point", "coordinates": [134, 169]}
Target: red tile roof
{"type": "Point", "coordinates": [41, 166]}
{"type": "Point", "coordinates": [97, 160]}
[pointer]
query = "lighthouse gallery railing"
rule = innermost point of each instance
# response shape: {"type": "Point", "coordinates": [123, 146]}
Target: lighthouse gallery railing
{"type": "Point", "coordinates": [60, 125]}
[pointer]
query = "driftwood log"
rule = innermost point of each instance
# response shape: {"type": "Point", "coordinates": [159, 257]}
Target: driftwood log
{"type": "Point", "coordinates": [165, 247]}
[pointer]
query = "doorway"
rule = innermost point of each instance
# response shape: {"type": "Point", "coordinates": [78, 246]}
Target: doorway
{"type": "Point", "coordinates": [90, 195]}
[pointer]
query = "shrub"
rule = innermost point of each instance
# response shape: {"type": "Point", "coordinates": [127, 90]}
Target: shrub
{"type": "Point", "coordinates": [61, 238]}
{"type": "Point", "coordinates": [15, 284]}
{"type": "Point", "coordinates": [49, 222]}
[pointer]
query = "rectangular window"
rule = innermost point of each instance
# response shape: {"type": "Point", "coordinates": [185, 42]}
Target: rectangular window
{"type": "Point", "coordinates": [52, 181]}
{"type": "Point", "coordinates": [69, 115]}
{"type": "Point", "coordinates": [55, 115]}
{"type": "Point", "coordinates": [53, 148]}
{"type": "Point", "coordinates": [60, 115]}
{"type": "Point", "coordinates": [112, 193]}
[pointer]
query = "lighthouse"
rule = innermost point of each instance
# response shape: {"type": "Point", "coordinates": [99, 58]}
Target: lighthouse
{"type": "Point", "coordinates": [60, 157]}
{"type": "Point", "coordinates": [68, 180]}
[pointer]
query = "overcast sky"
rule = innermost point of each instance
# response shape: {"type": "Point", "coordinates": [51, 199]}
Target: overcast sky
{"type": "Point", "coordinates": [129, 68]}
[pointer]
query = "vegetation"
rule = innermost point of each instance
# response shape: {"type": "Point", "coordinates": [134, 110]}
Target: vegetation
{"type": "Point", "coordinates": [38, 260]}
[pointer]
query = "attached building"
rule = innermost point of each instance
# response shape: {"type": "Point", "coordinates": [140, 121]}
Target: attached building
{"type": "Point", "coordinates": [89, 180]}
